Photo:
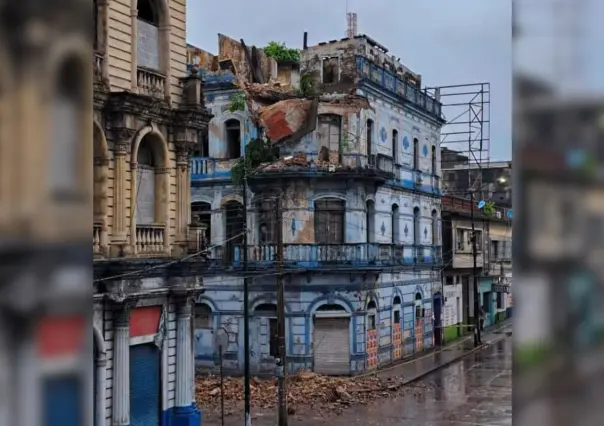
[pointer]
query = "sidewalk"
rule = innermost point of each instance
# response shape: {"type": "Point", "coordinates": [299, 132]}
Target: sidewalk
{"type": "Point", "coordinates": [414, 369]}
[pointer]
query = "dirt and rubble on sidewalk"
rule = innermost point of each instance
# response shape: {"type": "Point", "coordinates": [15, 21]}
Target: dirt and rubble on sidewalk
{"type": "Point", "coordinates": [305, 390]}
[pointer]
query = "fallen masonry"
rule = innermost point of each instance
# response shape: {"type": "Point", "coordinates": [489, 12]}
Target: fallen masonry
{"type": "Point", "coordinates": [305, 390]}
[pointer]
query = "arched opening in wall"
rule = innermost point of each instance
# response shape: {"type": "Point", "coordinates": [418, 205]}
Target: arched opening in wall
{"type": "Point", "coordinates": [370, 221]}
{"type": "Point", "coordinates": [331, 340]}
{"type": "Point", "coordinates": [434, 171]}
{"type": "Point", "coordinates": [369, 138]}
{"type": "Point", "coordinates": [267, 221]}
{"type": "Point", "coordinates": [234, 227]}
{"type": "Point", "coordinates": [331, 307]}
{"type": "Point", "coordinates": [396, 237]}
{"type": "Point", "coordinates": [68, 166]}
{"type": "Point", "coordinates": [203, 317]}
{"type": "Point", "coordinates": [396, 310]}
{"type": "Point", "coordinates": [148, 43]}
{"type": "Point", "coordinates": [232, 132]}
{"type": "Point", "coordinates": [371, 315]}
{"type": "Point", "coordinates": [202, 147]}
{"type": "Point", "coordinates": [395, 146]}
{"type": "Point", "coordinates": [419, 309]}
{"type": "Point", "coordinates": [267, 314]}
{"type": "Point", "coordinates": [329, 221]}
{"type": "Point", "coordinates": [435, 231]}
{"type": "Point", "coordinates": [201, 213]}
{"type": "Point", "coordinates": [101, 166]}
{"type": "Point", "coordinates": [329, 133]}
{"type": "Point", "coordinates": [415, 154]}
{"type": "Point", "coordinates": [416, 226]}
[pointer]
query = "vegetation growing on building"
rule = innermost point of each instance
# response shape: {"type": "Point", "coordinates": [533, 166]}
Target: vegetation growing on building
{"type": "Point", "coordinates": [280, 52]}
{"type": "Point", "coordinates": [257, 152]}
{"type": "Point", "coordinates": [237, 102]}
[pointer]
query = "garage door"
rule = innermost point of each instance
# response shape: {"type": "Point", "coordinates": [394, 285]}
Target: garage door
{"type": "Point", "coordinates": [145, 397]}
{"type": "Point", "coordinates": [331, 345]}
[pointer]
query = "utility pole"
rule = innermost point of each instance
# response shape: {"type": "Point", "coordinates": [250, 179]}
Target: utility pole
{"type": "Point", "coordinates": [477, 338]}
{"type": "Point", "coordinates": [282, 364]}
{"type": "Point", "coordinates": [246, 313]}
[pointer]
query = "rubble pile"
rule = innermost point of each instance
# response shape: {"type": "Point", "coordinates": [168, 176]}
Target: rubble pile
{"type": "Point", "coordinates": [305, 389]}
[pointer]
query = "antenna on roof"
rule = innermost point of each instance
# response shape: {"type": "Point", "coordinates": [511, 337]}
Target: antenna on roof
{"type": "Point", "coordinates": [351, 17]}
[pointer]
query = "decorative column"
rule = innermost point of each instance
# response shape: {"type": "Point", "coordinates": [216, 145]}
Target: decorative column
{"type": "Point", "coordinates": [121, 366]}
{"type": "Point", "coordinates": [119, 243]}
{"type": "Point", "coordinates": [185, 413]}
{"type": "Point", "coordinates": [183, 196]}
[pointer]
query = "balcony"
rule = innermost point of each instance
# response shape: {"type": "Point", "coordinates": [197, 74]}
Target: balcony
{"type": "Point", "coordinates": [330, 256]}
{"type": "Point", "coordinates": [386, 80]}
{"type": "Point", "coordinates": [150, 240]}
{"type": "Point", "coordinates": [206, 168]}
{"type": "Point", "coordinates": [150, 83]}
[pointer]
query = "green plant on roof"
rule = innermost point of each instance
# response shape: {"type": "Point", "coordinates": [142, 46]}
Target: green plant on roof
{"type": "Point", "coordinates": [280, 52]}
{"type": "Point", "coordinates": [257, 152]}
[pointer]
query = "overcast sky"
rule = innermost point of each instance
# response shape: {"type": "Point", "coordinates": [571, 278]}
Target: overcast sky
{"type": "Point", "coordinates": [447, 42]}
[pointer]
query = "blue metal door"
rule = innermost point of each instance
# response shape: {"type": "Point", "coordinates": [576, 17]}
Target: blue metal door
{"type": "Point", "coordinates": [145, 388]}
{"type": "Point", "coordinates": [63, 401]}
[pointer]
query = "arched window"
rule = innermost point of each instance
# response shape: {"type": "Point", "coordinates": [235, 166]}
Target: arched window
{"type": "Point", "coordinates": [145, 199]}
{"type": "Point", "coordinates": [148, 43]}
{"type": "Point", "coordinates": [396, 238]}
{"type": "Point", "coordinates": [267, 221]}
{"type": "Point", "coordinates": [371, 315]}
{"type": "Point", "coordinates": [435, 233]}
{"type": "Point", "coordinates": [66, 130]}
{"type": "Point", "coordinates": [369, 138]}
{"type": "Point", "coordinates": [370, 221]}
{"type": "Point", "coordinates": [203, 316]}
{"type": "Point", "coordinates": [416, 226]}
{"type": "Point", "coordinates": [396, 309]}
{"type": "Point", "coordinates": [329, 221]}
{"type": "Point", "coordinates": [419, 309]}
{"type": "Point", "coordinates": [434, 171]}
{"type": "Point", "coordinates": [415, 154]}
{"type": "Point", "coordinates": [395, 146]}
{"type": "Point", "coordinates": [232, 133]}
{"type": "Point", "coordinates": [202, 212]}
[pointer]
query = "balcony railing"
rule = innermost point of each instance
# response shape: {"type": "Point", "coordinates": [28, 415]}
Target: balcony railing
{"type": "Point", "coordinates": [97, 66]}
{"type": "Point", "coordinates": [334, 256]}
{"type": "Point", "coordinates": [150, 83]}
{"type": "Point", "coordinates": [210, 168]}
{"type": "Point", "coordinates": [150, 239]}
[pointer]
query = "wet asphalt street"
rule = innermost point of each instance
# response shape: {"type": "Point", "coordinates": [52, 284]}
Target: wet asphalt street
{"type": "Point", "coordinates": [474, 391]}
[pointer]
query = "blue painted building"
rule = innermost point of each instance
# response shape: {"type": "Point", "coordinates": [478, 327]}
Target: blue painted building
{"type": "Point", "coordinates": [359, 191]}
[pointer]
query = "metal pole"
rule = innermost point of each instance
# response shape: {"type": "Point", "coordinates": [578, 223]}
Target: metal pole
{"type": "Point", "coordinates": [246, 315]}
{"type": "Point", "coordinates": [221, 389]}
{"type": "Point", "coordinates": [282, 366]}
{"type": "Point", "coordinates": [477, 339]}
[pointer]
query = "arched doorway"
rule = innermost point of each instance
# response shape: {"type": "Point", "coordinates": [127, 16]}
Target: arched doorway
{"type": "Point", "coordinates": [438, 302]}
{"type": "Point", "coordinates": [331, 340]}
{"type": "Point", "coordinates": [397, 329]}
{"type": "Point", "coordinates": [372, 340]}
{"type": "Point", "coordinates": [419, 323]}
{"type": "Point", "coordinates": [265, 336]}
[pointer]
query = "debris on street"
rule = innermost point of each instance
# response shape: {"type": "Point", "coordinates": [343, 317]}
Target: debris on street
{"type": "Point", "coordinates": [305, 390]}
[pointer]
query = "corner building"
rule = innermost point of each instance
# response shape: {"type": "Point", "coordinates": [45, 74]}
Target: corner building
{"type": "Point", "coordinates": [358, 180]}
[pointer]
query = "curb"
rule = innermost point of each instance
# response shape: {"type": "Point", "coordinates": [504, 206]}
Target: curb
{"type": "Point", "coordinates": [453, 360]}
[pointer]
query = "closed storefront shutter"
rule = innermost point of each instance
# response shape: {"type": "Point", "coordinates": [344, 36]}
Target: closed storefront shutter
{"type": "Point", "coordinates": [145, 395]}
{"type": "Point", "coordinates": [331, 346]}
{"type": "Point", "coordinates": [63, 400]}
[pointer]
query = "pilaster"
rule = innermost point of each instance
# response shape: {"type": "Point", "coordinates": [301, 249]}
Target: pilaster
{"type": "Point", "coordinates": [119, 243]}
{"type": "Point", "coordinates": [183, 197]}
{"type": "Point", "coordinates": [185, 411]}
{"type": "Point", "coordinates": [121, 365]}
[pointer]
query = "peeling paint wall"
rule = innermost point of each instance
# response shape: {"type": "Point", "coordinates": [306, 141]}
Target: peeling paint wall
{"type": "Point", "coordinates": [224, 295]}
{"type": "Point", "coordinates": [219, 102]}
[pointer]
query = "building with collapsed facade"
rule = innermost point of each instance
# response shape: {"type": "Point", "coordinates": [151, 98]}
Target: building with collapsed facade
{"type": "Point", "coordinates": [356, 179]}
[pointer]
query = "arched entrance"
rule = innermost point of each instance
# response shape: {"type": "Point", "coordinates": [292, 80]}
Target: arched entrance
{"type": "Point", "coordinates": [438, 329]}
{"type": "Point", "coordinates": [331, 340]}
{"type": "Point", "coordinates": [419, 323]}
{"type": "Point", "coordinates": [372, 340]}
{"type": "Point", "coordinates": [397, 329]}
